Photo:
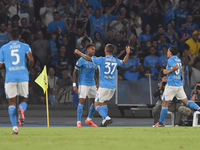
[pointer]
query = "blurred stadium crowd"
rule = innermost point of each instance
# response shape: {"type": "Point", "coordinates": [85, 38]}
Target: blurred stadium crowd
{"type": "Point", "coordinates": [55, 28]}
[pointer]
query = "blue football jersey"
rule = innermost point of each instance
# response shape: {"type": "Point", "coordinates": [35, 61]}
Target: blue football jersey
{"type": "Point", "coordinates": [4, 39]}
{"type": "Point", "coordinates": [86, 72]}
{"type": "Point", "coordinates": [13, 55]}
{"type": "Point", "coordinates": [107, 70]}
{"type": "Point", "coordinates": [174, 78]}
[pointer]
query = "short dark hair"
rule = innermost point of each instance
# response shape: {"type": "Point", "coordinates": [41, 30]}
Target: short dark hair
{"type": "Point", "coordinates": [174, 50]}
{"type": "Point", "coordinates": [110, 48]}
{"type": "Point", "coordinates": [15, 33]}
{"type": "Point", "coordinates": [89, 45]}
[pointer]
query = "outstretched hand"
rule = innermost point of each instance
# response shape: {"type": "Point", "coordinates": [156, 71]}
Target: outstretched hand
{"type": "Point", "coordinates": [128, 49]}
{"type": "Point", "coordinates": [76, 51]}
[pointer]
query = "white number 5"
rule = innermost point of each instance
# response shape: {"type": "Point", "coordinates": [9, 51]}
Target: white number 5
{"type": "Point", "coordinates": [15, 54]}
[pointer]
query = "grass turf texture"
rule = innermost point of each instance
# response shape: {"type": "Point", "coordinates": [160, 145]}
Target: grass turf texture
{"type": "Point", "coordinates": [112, 138]}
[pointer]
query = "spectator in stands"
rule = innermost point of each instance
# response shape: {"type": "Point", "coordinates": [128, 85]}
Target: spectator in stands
{"type": "Point", "coordinates": [132, 68]}
{"type": "Point", "coordinates": [3, 15]}
{"type": "Point", "coordinates": [4, 36]}
{"type": "Point", "coordinates": [95, 4]}
{"type": "Point", "coordinates": [135, 23]}
{"type": "Point", "coordinates": [109, 36]}
{"type": "Point", "coordinates": [117, 25]}
{"type": "Point", "coordinates": [56, 24]}
{"type": "Point", "coordinates": [53, 48]}
{"type": "Point", "coordinates": [174, 106]}
{"type": "Point", "coordinates": [84, 43]}
{"type": "Point", "coordinates": [25, 30]}
{"type": "Point", "coordinates": [163, 41]}
{"type": "Point", "coordinates": [162, 60]}
{"type": "Point", "coordinates": [196, 12]}
{"type": "Point", "coordinates": [98, 19]}
{"type": "Point", "coordinates": [145, 36]}
{"type": "Point", "coordinates": [52, 80]}
{"type": "Point", "coordinates": [31, 39]}
{"type": "Point", "coordinates": [65, 10]}
{"type": "Point", "coordinates": [183, 34]}
{"type": "Point", "coordinates": [190, 25]}
{"type": "Point", "coordinates": [41, 51]}
{"type": "Point", "coordinates": [195, 95]}
{"type": "Point", "coordinates": [31, 10]}
{"type": "Point", "coordinates": [69, 43]}
{"type": "Point", "coordinates": [47, 13]}
{"type": "Point", "coordinates": [160, 31]}
{"type": "Point", "coordinates": [63, 62]}
{"type": "Point", "coordinates": [117, 41]}
{"type": "Point", "coordinates": [192, 45]}
{"type": "Point", "coordinates": [181, 12]}
{"type": "Point", "coordinates": [151, 62]}
{"type": "Point", "coordinates": [171, 34]}
{"type": "Point", "coordinates": [144, 76]}
{"type": "Point", "coordinates": [38, 27]}
{"type": "Point", "coordinates": [24, 5]}
{"type": "Point", "coordinates": [98, 41]}
{"type": "Point", "coordinates": [186, 68]}
{"type": "Point", "coordinates": [63, 90]}
{"type": "Point", "coordinates": [15, 24]}
{"type": "Point", "coordinates": [9, 28]}
{"type": "Point", "coordinates": [155, 18]}
{"type": "Point", "coordinates": [167, 11]}
{"type": "Point", "coordinates": [11, 9]}
{"type": "Point", "coordinates": [80, 37]}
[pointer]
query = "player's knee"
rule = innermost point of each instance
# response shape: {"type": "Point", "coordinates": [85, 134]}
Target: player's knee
{"type": "Point", "coordinates": [81, 100]}
{"type": "Point", "coordinates": [11, 101]}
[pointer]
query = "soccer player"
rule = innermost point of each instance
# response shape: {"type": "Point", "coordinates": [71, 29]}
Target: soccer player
{"type": "Point", "coordinates": [174, 87]}
{"type": "Point", "coordinates": [107, 79]}
{"type": "Point", "coordinates": [86, 82]}
{"type": "Point", "coordinates": [13, 55]}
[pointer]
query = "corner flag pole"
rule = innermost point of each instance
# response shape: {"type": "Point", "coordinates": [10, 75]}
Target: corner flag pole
{"type": "Point", "coordinates": [47, 106]}
{"type": "Point", "coordinates": [42, 81]}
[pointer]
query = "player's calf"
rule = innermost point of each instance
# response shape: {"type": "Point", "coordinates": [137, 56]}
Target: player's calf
{"type": "Point", "coordinates": [21, 117]}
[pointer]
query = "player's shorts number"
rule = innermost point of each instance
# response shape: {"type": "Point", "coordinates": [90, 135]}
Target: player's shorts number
{"type": "Point", "coordinates": [108, 65]}
{"type": "Point", "coordinates": [177, 71]}
{"type": "Point", "coordinates": [15, 54]}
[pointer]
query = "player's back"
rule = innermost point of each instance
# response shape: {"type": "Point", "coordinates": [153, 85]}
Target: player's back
{"type": "Point", "coordinates": [86, 72]}
{"type": "Point", "coordinates": [14, 57]}
{"type": "Point", "coordinates": [174, 78]}
{"type": "Point", "coordinates": [107, 70]}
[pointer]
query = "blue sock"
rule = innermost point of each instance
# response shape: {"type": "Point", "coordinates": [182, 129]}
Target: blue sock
{"type": "Point", "coordinates": [101, 112]}
{"type": "Point", "coordinates": [105, 107]}
{"type": "Point", "coordinates": [12, 114]}
{"type": "Point", "coordinates": [23, 105]}
{"type": "Point", "coordinates": [163, 114]}
{"type": "Point", "coordinates": [79, 111]}
{"type": "Point", "coordinates": [91, 112]}
{"type": "Point", "coordinates": [192, 104]}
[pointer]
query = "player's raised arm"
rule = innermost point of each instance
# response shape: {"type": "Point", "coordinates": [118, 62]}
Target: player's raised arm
{"type": "Point", "coordinates": [176, 67]}
{"type": "Point", "coordinates": [83, 55]}
{"type": "Point", "coordinates": [127, 55]}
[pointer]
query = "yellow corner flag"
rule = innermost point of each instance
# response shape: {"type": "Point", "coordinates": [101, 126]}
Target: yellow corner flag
{"type": "Point", "coordinates": [42, 80]}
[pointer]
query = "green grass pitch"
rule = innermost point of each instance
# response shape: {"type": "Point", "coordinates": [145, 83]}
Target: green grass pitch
{"type": "Point", "coordinates": [109, 138]}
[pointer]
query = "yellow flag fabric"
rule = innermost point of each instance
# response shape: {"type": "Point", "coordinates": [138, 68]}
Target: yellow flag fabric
{"type": "Point", "coordinates": [42, 79]}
